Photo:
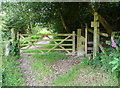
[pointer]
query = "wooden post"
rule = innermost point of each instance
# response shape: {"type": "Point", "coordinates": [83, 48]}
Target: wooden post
{"type": "Point", "coordinates": [95, 24]}
{"type": "Point", "coordinates": [13, 34]}
{"type": "Point", "coordinates": [18, 44]}
{"type": "Point", "coordinates": [15, 42]}
{"type": "Point", "coordinates": [79, 42]}
{"type": "Point", "coordinates": [98, 39]}
{"type": "Point", "coordinates": [73, 47]}
{"type": "Point", "coordinates": [86, 32]}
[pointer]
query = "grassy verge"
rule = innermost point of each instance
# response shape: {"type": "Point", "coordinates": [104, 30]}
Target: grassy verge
{"type": "Point", "coordinates": [11, 75]}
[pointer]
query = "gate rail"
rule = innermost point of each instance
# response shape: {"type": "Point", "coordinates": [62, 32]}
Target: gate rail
{"type": "Point", "coordinates": [69, 37]}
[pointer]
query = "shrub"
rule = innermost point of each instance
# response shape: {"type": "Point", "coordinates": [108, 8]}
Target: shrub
{"type": "Point", "coordinates": [111, 62]}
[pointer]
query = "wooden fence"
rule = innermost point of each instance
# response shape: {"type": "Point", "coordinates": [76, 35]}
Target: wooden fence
{"type": "Point", "coordinates": [57, 42]}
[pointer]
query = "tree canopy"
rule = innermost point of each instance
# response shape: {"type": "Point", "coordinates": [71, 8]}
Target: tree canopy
{"type": "Point", "coordinates": [59, 16]}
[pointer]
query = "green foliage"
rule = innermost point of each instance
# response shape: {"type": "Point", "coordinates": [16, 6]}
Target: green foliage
{"type": "Point", "coordinates": [27, 15]}
{"type": "Point", "coordinates": [14, 50]}
{"type": "Point", "coordinates": [86, 61]}
{"type": "Point", "coordinates": [23, 16]}
{"type": "Point", "coordinates": [11, 75]}
{"type": "Point", "coordinates": [111, 62]}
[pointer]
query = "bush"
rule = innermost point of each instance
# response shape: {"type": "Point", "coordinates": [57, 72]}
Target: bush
{"type": "Point", "coordinates": [109, 62]}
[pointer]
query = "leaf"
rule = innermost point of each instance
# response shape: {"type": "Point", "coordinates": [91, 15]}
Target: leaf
{"type": "Point", "coordinates": [114, 68]}
{"type": "Point", "coordinates": [113, 62]}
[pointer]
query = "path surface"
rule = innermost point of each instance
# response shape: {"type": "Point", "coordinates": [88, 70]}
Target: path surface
{"type": "Point", "coordinates": [25, 65]}
{"type": "Point", "coordinates": [25, 62]}
{"type": "Point", "coordinates": [60, 66]}
{"type": "Point", "coordinates": [86, 77]}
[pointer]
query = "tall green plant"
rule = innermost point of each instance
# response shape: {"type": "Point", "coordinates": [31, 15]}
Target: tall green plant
{"type": "Point", "coordinates": [111, 62]}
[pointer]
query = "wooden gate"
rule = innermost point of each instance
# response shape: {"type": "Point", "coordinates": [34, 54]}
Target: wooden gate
{"type": "Point", "coordinates": [57, 42]}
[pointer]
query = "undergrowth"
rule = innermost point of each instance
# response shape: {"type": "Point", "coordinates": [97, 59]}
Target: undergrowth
{"type": "Point", "coordinates": [109, 61]}
{"type": "Point", "coordinates": [11, 75]}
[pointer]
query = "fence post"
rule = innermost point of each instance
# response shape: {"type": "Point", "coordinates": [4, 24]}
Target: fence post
{"type": "Point", "coordinates": [95, 24]}
{"type": "Point", "coordinates": [13, 34]}
{"type": "Point", "coordinates": [18, 44]}
{"type": "Point", "coordinates": [86, 33]}
{"type": "Point", "coordinates": [79, 42]}
{"type": "Point", "coordinates": [73, 47]}
{"type": "Point", "coordinates": [15, 41]}
{"type": "Point", "coordinates": [98, 38]}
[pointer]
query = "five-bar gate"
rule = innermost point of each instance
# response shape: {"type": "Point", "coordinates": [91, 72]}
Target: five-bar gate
{"type": "Point", "coordinates": [57, 42]}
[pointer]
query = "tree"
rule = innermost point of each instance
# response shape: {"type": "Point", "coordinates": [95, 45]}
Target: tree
{"type": "Point", "coordinates": [61, 17]}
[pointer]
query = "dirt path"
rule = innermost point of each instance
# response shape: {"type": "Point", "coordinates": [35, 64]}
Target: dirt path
{"type": "Point", "coordinates": [60, 66]}
{"type": "Point", "coordinates": [86, 76]}
{"type": "Point", "coordinates": [25, 65]}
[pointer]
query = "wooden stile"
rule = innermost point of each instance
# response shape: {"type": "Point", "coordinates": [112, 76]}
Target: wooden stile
{"type": "Point", "coordinates": [79, 42]}
{"type": "Point", "coordinates": [95, 37]}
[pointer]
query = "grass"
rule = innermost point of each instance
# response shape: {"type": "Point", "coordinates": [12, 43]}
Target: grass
{"type": "Point", "coordinates": [11, 75]}
{"type": "Point", "coordinates": [1, 64]}
{"type": "Point", "coordinates": [67, 78]}
{"type": "Point", "coordinates": [43, 62]}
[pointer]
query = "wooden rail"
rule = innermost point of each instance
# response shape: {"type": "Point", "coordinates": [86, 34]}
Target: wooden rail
{"type": "Point", "coordinates": [50, 44]}
{"type": "Point", "coordinates": [46, 40]}
{"type": "Point", "coordinates": [68, 38]}
{"type": "Point", "coordinates": [48, 49]}
{"type": "Point", "coordinates": [46, 34]}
